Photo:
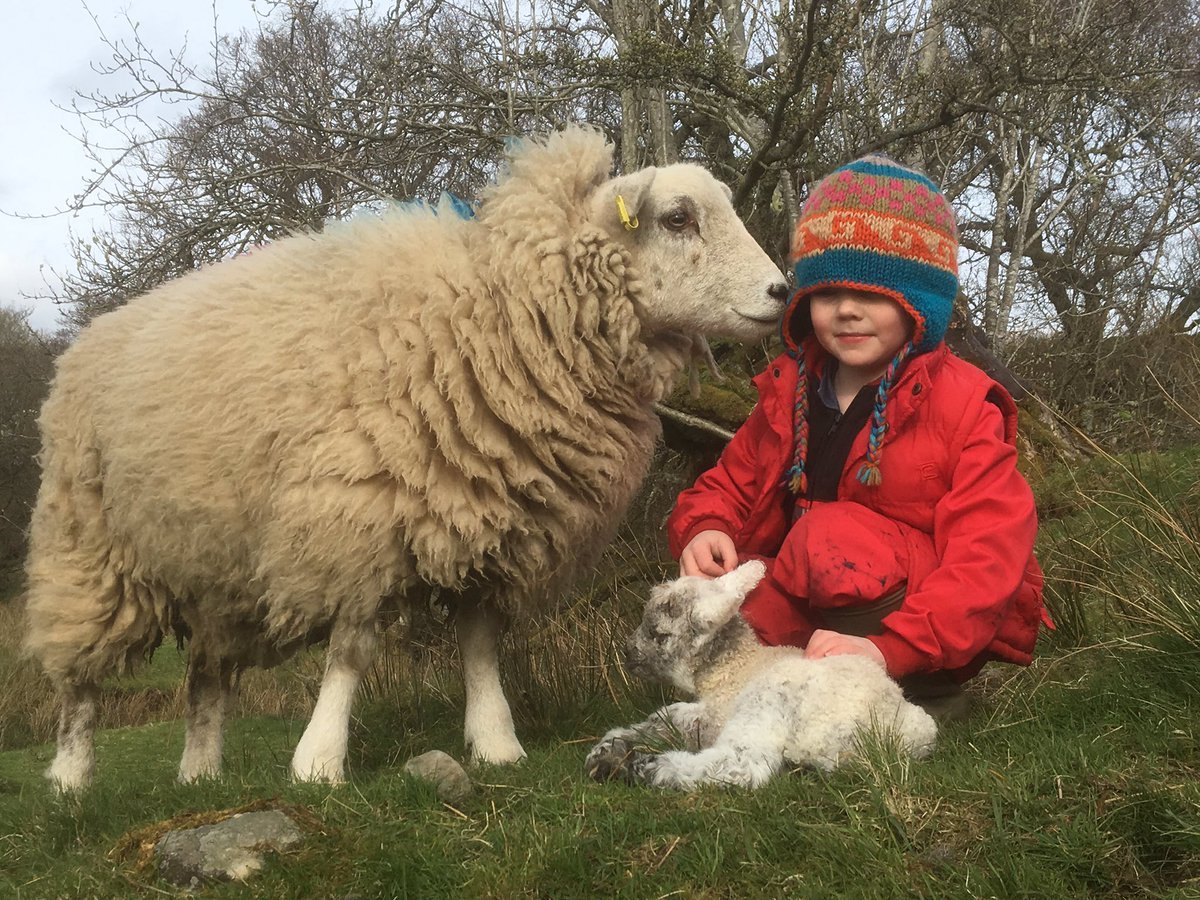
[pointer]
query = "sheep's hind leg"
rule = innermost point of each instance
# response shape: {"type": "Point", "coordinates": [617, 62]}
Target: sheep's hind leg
{"type": "Point", "coordinates": [208, 693]}
{"type": "Point", "coordinates": [488, 728]}
{"type": "Point", "coordinates": [75, 761]}
{"type": "Point", "coordinates": [321, 753]}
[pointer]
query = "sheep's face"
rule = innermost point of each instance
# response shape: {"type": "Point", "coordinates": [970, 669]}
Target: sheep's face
{"type": "Point", "coordinates": [701, 271]}
{"type": "Point", "coordinates": [680, 621]}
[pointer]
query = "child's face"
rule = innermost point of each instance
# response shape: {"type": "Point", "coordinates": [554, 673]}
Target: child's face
{"type": "Point", "coordinates": [862, 330]}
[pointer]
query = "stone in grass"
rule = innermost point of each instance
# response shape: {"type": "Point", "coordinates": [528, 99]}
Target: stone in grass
{"type": "Point", "coordinates": [229, 850]}
{"type": "Point", "coordinates": [452, 783]}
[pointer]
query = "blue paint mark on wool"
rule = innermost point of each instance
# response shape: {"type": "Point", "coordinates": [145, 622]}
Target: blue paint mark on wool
{"type": "Point", "coordinates": [446, 202]}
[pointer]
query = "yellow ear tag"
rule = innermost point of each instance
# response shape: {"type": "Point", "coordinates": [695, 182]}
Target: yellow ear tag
{"type": "Point", "coordinates": [629, 223]}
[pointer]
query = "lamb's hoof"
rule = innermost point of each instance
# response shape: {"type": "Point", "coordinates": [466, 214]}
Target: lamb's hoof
{"type": "Point", "coordinates": [611, 760]}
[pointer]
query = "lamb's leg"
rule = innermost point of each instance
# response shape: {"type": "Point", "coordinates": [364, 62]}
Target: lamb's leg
{"type": "Point", "coordinates": [208, 694]}
{"type": "Point", "coordinates": [611, 756]}
{"type": "Point", "coordinates": [742, 764]}
{"type": "Point", "coordinates": [747, 753]}
{"type": "Point", "coordinates": [488, 729]}
{"type": "Point", "coordinates": [75, 761]}
{"type": "Point", "coordinates": [321, 753]}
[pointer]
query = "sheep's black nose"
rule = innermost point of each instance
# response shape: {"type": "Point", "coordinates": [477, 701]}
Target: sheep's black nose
{"type": "Point", "coordinates": [778, 291]}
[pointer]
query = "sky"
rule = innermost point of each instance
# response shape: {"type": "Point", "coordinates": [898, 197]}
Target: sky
{"type": "Point", "coordinates": [51, 47]}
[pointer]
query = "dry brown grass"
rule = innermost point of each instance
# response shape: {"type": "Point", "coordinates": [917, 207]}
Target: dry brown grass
{"type": "Point", "coordinates": [27, 707]}
{"type": "Point", "coordinates": [555, 664]}
{"type": "Point", "coordinates": [29, 711]}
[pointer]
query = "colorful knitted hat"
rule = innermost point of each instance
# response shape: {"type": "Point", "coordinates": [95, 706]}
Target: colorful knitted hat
{"type": "Point", "coordinates": [872, 225]}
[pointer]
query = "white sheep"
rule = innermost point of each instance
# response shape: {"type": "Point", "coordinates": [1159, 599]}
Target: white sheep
{"type": "Point", "coordinates": [274, 450]}
{"type": "Point", "coordinates": [757, 708]}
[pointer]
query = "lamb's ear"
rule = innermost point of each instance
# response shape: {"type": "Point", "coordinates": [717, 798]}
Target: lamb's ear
{"type": "Point", "coordinates": [617, 204]}
{"type": "Point", "coordinates": [725, 594]}
{"type": "Point", "coordinates": [715, 607]}
{"type": "Point", "coordinates": [742, 580]}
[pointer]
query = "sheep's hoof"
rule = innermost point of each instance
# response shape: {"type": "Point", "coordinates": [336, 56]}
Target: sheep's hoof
{"type": "Point", "coordinates": [611, 761]}
{"type": "Point", "coordinates": [69, 776]}
{"type": "Point", "coordinates": [329, 771]}
{"type": "Point", "coordinates": [497, 752]}
{"type": "Point", "coordinates": [192, 776]}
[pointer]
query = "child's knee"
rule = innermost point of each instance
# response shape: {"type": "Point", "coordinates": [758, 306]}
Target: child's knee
{"type": "Point", "coordinates": [842, 554]}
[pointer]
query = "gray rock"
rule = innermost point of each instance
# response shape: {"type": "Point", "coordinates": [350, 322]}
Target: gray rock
{"type": "Point", "coordinates": [452, 783]}
{"type": "Point", "coordinates": [226, 851]}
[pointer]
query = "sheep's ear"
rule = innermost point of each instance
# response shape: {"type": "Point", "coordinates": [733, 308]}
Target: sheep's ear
{"type": "Point", "coordinates": [617, 204]}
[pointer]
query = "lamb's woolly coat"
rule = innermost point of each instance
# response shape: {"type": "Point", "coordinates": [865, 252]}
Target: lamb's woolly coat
{"type": "Point", "coordinates": [277, 445]}
{"type": "Point", "coordinates": [757, 708]}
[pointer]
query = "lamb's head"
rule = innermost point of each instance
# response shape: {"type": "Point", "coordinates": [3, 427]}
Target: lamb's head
{"type": "Point", "coordinates": [680, 622]}
{"type": "Point", "coordinates": [701, 271]}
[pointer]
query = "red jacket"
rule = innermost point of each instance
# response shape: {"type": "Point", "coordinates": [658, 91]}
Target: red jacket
{"type": "Point", "coordinates": [946, 472]}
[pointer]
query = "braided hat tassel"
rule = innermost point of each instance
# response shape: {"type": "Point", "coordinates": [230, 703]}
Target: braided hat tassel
{"type": "Point", "coordinates": [797, 478]}
{"type": "Point", "coordinates": [869, 472]}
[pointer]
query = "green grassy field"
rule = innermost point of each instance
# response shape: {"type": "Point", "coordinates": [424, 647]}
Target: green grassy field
{"type": "Point", "coordinates": [1077, 777]}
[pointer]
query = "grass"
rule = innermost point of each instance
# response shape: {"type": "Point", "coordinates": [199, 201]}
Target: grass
{"type": "Point", "coordinates": [1077, 777]}
{"type": "Point", "coordinates": [1080, 789]}
{"type": "Point", "coordinates": [1120, 540]}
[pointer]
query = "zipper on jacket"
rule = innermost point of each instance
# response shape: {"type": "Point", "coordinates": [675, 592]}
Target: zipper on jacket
{"type": "Point", "coordinates": [837, 420]}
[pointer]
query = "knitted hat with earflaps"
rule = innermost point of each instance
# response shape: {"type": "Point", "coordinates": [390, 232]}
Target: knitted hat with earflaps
{"type": "Point", "coordinates": [872, 225]}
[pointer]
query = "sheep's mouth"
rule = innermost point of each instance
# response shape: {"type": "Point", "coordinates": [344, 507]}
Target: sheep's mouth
{"type": "Point", "coordinates": [758, 320]}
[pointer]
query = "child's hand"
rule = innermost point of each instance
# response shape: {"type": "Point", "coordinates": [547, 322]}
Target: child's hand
{"type": "Point", "coordinates": [709, 554]}
{"type": "Point", "coordinates": [830, 643]}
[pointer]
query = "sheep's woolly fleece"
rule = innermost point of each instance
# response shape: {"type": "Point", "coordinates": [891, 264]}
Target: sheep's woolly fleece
{"type": "Point", "coordinates": [338, 418]}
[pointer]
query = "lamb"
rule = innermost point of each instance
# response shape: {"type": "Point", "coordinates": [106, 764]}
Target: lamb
{"type": "Point", "coordinates": [758, 708]}
{"type": "Point", "coordinates": [282, 448]}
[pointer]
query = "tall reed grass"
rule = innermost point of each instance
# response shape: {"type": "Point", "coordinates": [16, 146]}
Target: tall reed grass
{"type": "Point", "coordinates": [1124, 550]}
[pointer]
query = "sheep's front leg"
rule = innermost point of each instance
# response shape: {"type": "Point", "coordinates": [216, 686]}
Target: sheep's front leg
{"type": "Point", "coordinates": [75, 760]}
{"type": "Point", "coordinates": [614, 753]}
{"type": "Point", "coordinates": [488, 729]}
{"type": "Point", "coordinates": [321, 753]}
{"type": "Point", "coordinates": [209, 686]}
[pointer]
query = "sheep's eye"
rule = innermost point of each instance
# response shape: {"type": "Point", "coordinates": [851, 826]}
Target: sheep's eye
{"type": "Point", "coordinates": [677, 220]}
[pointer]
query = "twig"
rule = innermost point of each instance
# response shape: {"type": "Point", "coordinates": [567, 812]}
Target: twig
{"type": "Point", "coordinates": [695, 423]}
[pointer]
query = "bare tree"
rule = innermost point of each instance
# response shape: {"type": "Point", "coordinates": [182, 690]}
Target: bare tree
{"type": "Point", "coordinates": [311, 118]}
{"type": "Point", "coordinates": [26, 363]}
{"type": "Point", "coordinates": [1086, 170]}
{"type": "Point", "coordinates": [1064, 131]}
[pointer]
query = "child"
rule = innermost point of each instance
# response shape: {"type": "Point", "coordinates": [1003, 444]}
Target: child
{"type": "Point", "coordinates": [877, 474]}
